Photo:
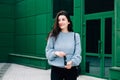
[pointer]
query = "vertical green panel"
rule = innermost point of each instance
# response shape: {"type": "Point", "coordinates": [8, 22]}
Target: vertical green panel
{"type": "Point", "coordinates": [118, 38]}
{"type": "Point", "coordinates": [21, 26]}
{"type": "Point", "coordinates": [18, 0]}
{"type": "Point", "coordinates": [3, 54]}
{"type": "Point", "coordinates": [6, 25]}
{"type": "Point", "coordinates": [77, 20]}
{"type": "Point", "coordinates": [30, 7]}
{"type": "Point", "coordinates": [6, 45]}
{"type": "Point", "coordinates": [49, 22]}
{"type": "Point", "coordinates": [4, 51]}
{"type": "Point", "coordinates": [6, 40]}
{"type": "Point", "coordinates": [117, 26]}
{"type": "Point", "coordinates": [20, 44]}
{"type": "Point", "coordinates": [77, 3]}
{"type": "Point", "coordinates": [40, 44]}
{"type": "Point", "coordinates": [30, 48]}
{"type": "Point", "coordinates": [41, 6]}
{"type": "Point", "coordinates": [118, 49]}
{"type": "Point", "coordinates": [6, 10]}
{"type": "Point", "coordinates": [49, 16]}
{"type": "Point", "coordinates": [78, 15]}
{"type": "Point", "coordinates": [21, 9]}
{"type": "Point", "coordinates": [117, 12]}
{"type": "Point", "coordinates": [6, 29]}
{"type": "Point", "coordinates": [78, 25]}
{"type": "Point", "coordinates": [7, 1]}
{"type": "Point", "coordinates": [50, 6]}
{"type": "Point", "coordinates": [31, 19]}
{"type": "Point", "coordinates": [25, 44]}
{"type": "Point", "coordinates": [41, 23]}
{"type": "Point", "coordinates": [30, 22]}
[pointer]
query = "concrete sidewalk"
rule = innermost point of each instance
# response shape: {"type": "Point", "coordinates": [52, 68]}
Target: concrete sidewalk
{"type": "Point", "coordinates": [20, 72]}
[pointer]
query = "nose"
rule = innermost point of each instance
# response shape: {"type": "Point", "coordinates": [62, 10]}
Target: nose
{"type": "Point", "coordinates": [60, 22]}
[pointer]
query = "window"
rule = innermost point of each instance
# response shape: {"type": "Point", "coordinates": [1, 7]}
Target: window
{"type": "Point", "coordinates": [62, 5]}
{"type": "Point", "coordinates": [94, 6]}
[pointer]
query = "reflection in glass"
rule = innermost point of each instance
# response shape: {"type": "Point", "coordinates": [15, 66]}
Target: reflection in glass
{"type": "Point", "coordinates": [63, 5]}
{"type": "Point", "coordinates": [92, 35]}
{"type": "Point", "coordinates": [108, 36]}
{"type": "Point", "coordinates": [95, 6]}
{"type": "Point", "coordinates": [93, 65]}
{"type": "Point", "coordinates": [108, 64]}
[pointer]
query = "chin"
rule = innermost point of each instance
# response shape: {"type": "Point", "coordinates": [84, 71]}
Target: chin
{"type": "Point", "coordinates": [61, 28]}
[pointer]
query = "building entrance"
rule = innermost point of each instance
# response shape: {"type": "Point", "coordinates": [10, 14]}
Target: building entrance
{"type": "Point", "coordinates": [98, 19]}
{"type": "Point", "coordinates": [98, 42]}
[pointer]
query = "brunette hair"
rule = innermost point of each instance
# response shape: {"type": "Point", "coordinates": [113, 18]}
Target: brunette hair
{"type": "Point", "coordinates": [56, 29]}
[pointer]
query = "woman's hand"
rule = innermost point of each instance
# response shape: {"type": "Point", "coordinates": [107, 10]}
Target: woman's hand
{"type": "Point", "coordinates": [60, 53]}
{"type": "Point", "coordinates": [68, 65]}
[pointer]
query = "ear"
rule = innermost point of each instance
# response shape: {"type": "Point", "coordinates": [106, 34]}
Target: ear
{"type": "Point", "coordinates": [68, 22]}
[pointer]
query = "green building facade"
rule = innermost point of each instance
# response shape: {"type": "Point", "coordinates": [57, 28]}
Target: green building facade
{"type": "Point", "coordinates": [25, 24]}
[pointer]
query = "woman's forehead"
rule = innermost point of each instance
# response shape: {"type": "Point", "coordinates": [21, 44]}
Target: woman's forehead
{"type": "Point", "coordinates": [62, 16]}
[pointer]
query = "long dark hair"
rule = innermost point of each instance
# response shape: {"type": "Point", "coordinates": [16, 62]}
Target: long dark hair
{"type": "Point", "coordinates": [56, 29]}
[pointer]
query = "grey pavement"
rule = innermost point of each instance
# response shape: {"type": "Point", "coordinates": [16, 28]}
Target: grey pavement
{"type": "Point", "coordinates": [20, 72]}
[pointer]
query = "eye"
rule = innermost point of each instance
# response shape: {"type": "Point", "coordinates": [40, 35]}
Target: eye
{"type": "Point", "coordinates": [63, 19]}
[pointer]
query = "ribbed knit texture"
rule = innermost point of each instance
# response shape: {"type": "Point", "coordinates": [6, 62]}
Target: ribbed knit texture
{"type": "Point", "coordinates": [65, 42]}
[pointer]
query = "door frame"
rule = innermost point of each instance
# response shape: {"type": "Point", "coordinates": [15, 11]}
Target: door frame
{"type": "Point", "coordinates": [101, 16]}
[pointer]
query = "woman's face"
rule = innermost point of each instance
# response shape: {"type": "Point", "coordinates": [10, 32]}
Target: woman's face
{"type": "Point", "coordinates": [63, 22]}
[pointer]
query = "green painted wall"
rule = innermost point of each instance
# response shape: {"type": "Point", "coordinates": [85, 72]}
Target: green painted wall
{"type": "Point", "coordinates": [78, 25]}
{"type": "Point", "coordinates": [7, 28]}
{"type": "Point", "coordinates": [32, 23]}
{"type": "Point", "coordinates": [115, 70]}
{"type": "Point", "coordinates": [117, 32]}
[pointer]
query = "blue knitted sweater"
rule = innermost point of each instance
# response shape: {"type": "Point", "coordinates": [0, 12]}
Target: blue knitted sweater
{"type": "Point", "coordinates": [67, 43]}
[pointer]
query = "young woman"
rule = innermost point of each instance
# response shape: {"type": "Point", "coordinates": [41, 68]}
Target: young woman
{"type": "Point", "coordinates": [63, 49]}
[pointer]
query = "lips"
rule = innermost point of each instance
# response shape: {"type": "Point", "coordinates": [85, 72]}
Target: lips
{"type": "Point", "coordinates": [60, 25]}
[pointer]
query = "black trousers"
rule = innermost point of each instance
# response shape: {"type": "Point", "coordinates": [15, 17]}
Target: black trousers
{"type": "Point", "coordinates": [63, 74]}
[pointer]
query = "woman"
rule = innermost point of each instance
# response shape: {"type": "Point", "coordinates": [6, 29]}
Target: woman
{"type": "Point", "coordinates": [63, 49]}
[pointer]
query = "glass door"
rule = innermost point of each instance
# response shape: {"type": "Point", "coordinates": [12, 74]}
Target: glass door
{"type": "Point", "coordinates": [98, 40]}
{"type": "Point", "coordinates": [93, 44]}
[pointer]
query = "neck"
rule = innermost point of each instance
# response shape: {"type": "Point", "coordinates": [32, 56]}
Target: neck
{"type": "Point", "coordinates": [65, 31]}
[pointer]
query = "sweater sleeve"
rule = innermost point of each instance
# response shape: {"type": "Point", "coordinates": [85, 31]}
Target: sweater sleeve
{"type": "Point", "coordinates": [50, 53]}
{"type": "Point", "coordinates": [76, 59]}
